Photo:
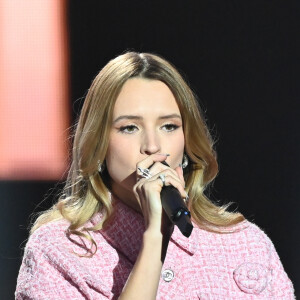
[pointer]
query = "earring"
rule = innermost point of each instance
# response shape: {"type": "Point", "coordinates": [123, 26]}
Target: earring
{"type": "Point", "coordinates": [185, 161]}
{"type": "Point", "coordinates": [101, 167]}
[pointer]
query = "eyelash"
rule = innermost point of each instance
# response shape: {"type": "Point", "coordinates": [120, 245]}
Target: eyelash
{"type": "Point", "coordinates": [123, 128]}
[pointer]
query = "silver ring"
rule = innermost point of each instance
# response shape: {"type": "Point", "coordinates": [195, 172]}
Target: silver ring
{"type": "Point", "coordinates": [163, 179]}
{"type": "Point", "coordinates": [145, 172]}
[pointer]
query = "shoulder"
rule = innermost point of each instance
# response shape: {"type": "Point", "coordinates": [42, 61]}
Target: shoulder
{"type": "Point", "coordinates": [244, 241]}
{"type": "Point", "coordinates": [53, 241]}
{"type": "Point", "coordinates": [246, 254]}
{"type": "Point", "coordinates": [253, 236]}
{"type": "Point", "coordinates": [244, 230]}
{"type": "Point", "coordinates": [52, 233]}
{"type": "Point", "coordinates": [260, 257]}
{"type": "Point", "coordinates": [47, 245]}
{"type": "Point", "coordinates": [250, 233]}
{"type": "Point", "coordinates": [247, 238]}
{"type": "Point", "coordinates": [55, 265]}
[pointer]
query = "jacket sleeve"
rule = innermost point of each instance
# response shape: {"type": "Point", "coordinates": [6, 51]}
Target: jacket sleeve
{"type": "Point", "coordinates": [281, 285]}
{"type": "Point", "coordinates": [41, 277]}
{"type": "Point", "coordinates": [261, 274]}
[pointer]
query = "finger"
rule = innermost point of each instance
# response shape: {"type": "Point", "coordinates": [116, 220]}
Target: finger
{"type": "Point", "coordinates": [158, 167]}
{"type": "Point", "coordinates": [151, 159]}
{"type": "Point", "coordinates": [179, 171]}
{"type": "Point", "coordinates": [178, 174]}
{"type": "Point", "coordinates": [170, 180]}
{"type": "Point", "coordinates": [137, 189]}
{"type": "Point", "coordinates": [143, 173]}
{"type": "Point", "coordinates": [169, 173]}
{"type": "Point", "coordinates": [142, 167]}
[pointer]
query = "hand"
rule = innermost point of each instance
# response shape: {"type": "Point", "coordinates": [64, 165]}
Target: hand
{"type": "Point", "coordinates": [147, 190]}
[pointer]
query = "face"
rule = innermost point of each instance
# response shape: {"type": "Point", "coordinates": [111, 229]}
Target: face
{"type": "Point", "coordinates": [146, 120]}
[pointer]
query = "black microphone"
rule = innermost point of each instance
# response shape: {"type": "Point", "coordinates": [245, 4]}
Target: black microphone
{"type": "Point", "coordinates": [176, 209]}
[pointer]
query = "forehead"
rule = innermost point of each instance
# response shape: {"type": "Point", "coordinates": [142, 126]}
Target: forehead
{"type": "Point", "coordinates": [144, 96]}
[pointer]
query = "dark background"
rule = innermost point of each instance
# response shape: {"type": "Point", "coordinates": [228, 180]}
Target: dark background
{"type": "Point", "coordinates": [242, 60]}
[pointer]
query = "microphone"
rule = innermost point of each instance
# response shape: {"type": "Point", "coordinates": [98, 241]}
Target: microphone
{"type": "Point", "coordinates": [176, 209]}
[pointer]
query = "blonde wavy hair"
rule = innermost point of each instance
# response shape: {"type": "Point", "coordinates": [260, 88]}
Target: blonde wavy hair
{"type": "Point", "coordinates": [87, 191]}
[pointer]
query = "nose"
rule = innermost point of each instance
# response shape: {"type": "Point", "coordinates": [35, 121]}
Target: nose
{"type": "Point", "coordinates": [150, 143]}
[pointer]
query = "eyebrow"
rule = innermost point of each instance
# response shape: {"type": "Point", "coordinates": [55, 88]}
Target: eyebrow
{"type": "Point", "coordinates": [133, 117]}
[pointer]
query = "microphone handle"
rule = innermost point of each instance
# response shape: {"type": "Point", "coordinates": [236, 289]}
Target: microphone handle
{"type": "Point", "coordinates": [176, 209]}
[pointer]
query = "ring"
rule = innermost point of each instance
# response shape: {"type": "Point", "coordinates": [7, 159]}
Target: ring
{"type": "Point", "coordinates": [145, 172]}
{"type": "Point", "coordinates": [162, 177]}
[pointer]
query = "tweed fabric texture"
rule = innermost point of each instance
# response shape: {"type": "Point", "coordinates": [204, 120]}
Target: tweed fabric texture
{"type": "Point", "coordinates": [239, 264]}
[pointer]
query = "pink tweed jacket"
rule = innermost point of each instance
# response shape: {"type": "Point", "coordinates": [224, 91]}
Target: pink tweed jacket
{"type": "Point", "coordinates": [239, 264]}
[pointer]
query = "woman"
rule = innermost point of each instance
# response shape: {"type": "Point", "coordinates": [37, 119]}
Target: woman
{"type": "Point", "coordinates": [108, 236]}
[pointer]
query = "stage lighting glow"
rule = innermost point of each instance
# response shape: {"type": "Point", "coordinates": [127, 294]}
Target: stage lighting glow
{"type": "Point", "coordinates": [33, 89]}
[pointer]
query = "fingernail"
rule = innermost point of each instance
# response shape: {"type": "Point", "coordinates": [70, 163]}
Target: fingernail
{"type": "Point", "coordinates": [180, 166]}
{"type": "Point", "coordinates": [164, 154]}
{"type": "Point", "coordinates": [186, 199]}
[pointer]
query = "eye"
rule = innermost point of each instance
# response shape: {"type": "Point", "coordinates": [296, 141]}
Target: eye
{"type": "Point", "coordinates": [128, 129]}
{"type": "Point", "coordinates": [170, 127]}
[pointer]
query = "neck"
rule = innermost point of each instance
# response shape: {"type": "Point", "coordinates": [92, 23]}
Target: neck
{"type": "Point", "coordinates": [125, 196]}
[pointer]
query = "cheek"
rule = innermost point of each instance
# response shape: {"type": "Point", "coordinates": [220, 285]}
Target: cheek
{"type": "Point", "coordinates": [119, 145]}
{"type": "Point", "coordinates": [175, 146]}
{"type": "Point", "coordinates": [179, 144]}
{"type": "Point", "coordinates": [178, 141]}
{"type": "Point", "coordinates": [119, 158]}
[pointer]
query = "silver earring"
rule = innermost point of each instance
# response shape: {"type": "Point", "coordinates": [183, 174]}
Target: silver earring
{"type": "Point", "coordinates": [185, 161]}
{"type": "Point", "coordinates": [101, 167]}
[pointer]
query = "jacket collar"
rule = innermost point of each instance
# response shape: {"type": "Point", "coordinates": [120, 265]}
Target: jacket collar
{"type": "Point", "coordinates": [126, 228]}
